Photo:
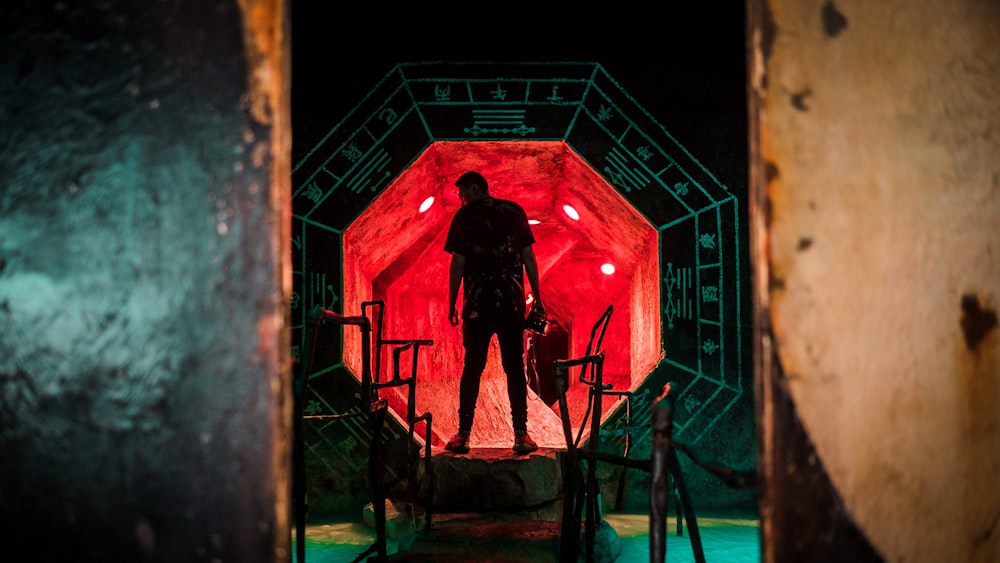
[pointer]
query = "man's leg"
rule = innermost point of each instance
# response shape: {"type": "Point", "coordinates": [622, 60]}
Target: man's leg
{"type": "Point", "coordinates": [476, 339]}
{"type": "Point", "coordinates": [510, 337]}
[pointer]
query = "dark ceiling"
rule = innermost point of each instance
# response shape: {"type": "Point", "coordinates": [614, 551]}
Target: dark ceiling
{"type": "Point", "coordinates": [683, 62]}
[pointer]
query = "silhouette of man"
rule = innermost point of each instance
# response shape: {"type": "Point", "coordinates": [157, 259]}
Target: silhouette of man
{"type": "Point", "coordinates": [490, 244]}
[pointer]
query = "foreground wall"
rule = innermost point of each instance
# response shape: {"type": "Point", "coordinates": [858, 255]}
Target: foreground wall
{"type": "Point", "coordinates": [876, 244]}
{"type": "Point", "coordinates": [143, 276]}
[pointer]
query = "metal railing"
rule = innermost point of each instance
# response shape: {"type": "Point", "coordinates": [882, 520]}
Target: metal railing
{"type": "Point", "coordinates": [371, 405]}
{"type": "Point", "coordinates": [582, 496]}
{"type": "Point", "coordinates": [399, 347]}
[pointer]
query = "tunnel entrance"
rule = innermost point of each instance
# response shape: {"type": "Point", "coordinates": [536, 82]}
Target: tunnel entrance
{"type": "Point", "coordinates": [394, 252]}
{"type": "Point", "coordinates": [371, 205]}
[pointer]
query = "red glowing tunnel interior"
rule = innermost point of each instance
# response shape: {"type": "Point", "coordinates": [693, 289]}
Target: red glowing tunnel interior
{"type": "Point", "coordinates": [394, 252]}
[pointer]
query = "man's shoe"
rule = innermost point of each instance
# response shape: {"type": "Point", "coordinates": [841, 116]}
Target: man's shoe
{"type": "Point", "coordinates": [459, 443]}
{"type": "Point", "coordinates": [523, 444]}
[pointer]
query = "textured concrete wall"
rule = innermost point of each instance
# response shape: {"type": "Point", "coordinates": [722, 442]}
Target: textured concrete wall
{"type": "Point", "coordinates": [143, 271]}
{"type": "Point", "coordinates": [878, 247]}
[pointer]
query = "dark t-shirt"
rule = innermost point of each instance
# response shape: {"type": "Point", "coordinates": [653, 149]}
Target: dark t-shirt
{"type": "Point", "coordinates": [490, 233]}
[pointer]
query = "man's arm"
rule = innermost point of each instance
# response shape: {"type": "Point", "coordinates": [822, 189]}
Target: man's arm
{"type": "Point", "coordinates": [531, 269]}
{"type": "Point", "coordinates": [454, 282]}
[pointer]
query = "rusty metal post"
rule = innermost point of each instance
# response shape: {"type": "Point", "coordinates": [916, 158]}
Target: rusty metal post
{"type": "Point", "coordinates": [570, 531]}
{"type": "Point", "coordinates": [594, 444]}
{"type": "Point", "coordinates": [659, 480]}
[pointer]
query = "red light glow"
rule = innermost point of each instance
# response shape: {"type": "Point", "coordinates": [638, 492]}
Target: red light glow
{"type": "Point", "coordinates": [397, 256]}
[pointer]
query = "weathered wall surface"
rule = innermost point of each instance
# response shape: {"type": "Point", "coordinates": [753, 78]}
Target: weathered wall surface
{"type": "Point", "coordinates": [142, 280]}
{"type": "Point", "coordinates": [877, 125]}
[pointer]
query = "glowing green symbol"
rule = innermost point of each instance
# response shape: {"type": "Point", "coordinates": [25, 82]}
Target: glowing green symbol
{"type": "Point", "coordinates": [709, 294]}
{"type": "Point", "coordinates": [499, 93]}
{"type": "Point", "coordinates": [707, 241]}
{"type": "Point", "coordinates": [510, 121]}
{"type": "Point", "coordinates": [313, 407]}
{"type": "Point", "coordinates": [351, 152]}
{"type": "Point", "coordinates": [690, 403]}
{"type": "Point", "coordinates": [681, 188]}
{"type": "Point", "coordinates": [709, 347]}
{"type": "Point", "coordinates": [681, 305]}
{"type": "Point", "coordinates": [604, 114]}
{"type": "Point", "coordinates": [313, 193]}
{"type": "Point", "coordinates": [323, 290]}
{"type": "Point", "coordinates": [617, 178]}
{"type": "Point", "coordinates": [442, 93]}
{"type": "Point", "coordinates": [644, 153]}
{"type": "Point", "coordinates": [670, 311]}
{"type": "Point", "coordinates": [388, 116]}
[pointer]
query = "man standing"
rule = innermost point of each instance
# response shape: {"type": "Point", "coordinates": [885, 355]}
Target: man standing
{"type": "Point", "coordinates": [490, 244]}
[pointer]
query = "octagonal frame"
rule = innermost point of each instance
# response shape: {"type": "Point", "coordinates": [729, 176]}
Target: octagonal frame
{"type": "Point", "coordinates": [696, 216]}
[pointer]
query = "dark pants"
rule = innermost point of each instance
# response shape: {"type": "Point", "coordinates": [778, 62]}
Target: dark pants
{"type": "Point", "coordinates": [476, 336]}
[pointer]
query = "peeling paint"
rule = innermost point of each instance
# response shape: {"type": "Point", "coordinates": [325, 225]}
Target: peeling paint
{"type": "Point", "coordinates": [770, 172]}
{"type": "Point", "coordinates": [799, 99]}
{"type": "Point", "coordinates": [768, 32]}
{"type": "Point", "coordinates": [833, 21]}
{"type": "Point", "coordinates": [976, 322]}
{"type": "Point", "coordinates": [867, 317]}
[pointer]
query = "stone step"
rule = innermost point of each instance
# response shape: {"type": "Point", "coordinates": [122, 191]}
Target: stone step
{"type": "Point", "coordinates": [490, 505]}
{"type": "Point", "coordinates": [492, 479]}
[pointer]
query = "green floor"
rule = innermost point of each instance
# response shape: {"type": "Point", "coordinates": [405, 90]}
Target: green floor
{"type": "Point", "coordinates": [729, 538]}
{"type": "Point", "coordinates": [723, 539]}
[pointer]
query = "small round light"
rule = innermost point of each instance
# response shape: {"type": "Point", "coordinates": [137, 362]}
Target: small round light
{"type": "Point", "coordinates": [427, 204]}
{"type": "Point", "coordinates": [608, 269]}
{"type": "Point", "coordinates": [571, 212]}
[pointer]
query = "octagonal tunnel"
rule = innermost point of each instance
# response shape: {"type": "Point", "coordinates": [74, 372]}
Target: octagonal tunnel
{"type": "Point", "coordinates": [394, 252]}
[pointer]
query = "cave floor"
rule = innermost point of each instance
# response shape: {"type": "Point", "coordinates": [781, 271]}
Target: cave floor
{"type": "Point", "coordinates": [731, 536]}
